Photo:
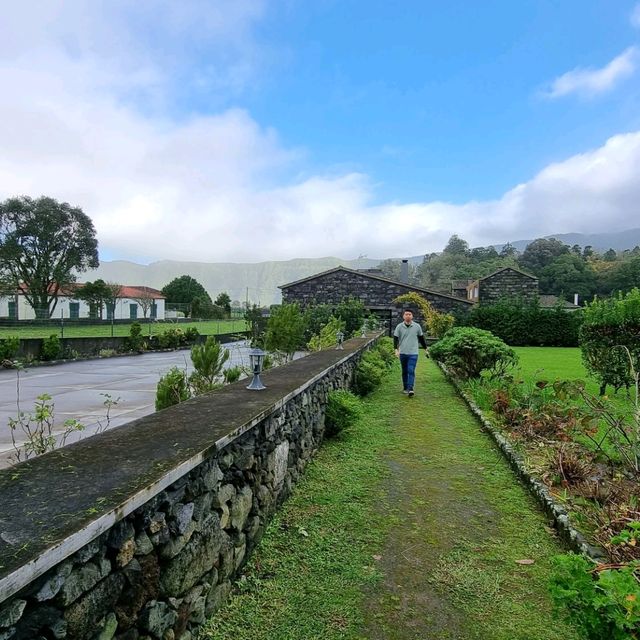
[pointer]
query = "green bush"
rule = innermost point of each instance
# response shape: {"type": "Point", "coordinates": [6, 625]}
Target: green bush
{"type": "Point", "coordinates": [326, 337]}
{"type": "Point", "coordinates": [316, 316]}
{"type": "Point", "coordinates": [369, 373]}
{"type": "Point", "coordinates": [171, 338]}
{"type": "Point", "coordinates": [191, 335]}
{"type": "Point", "coordinates": [135, 341]}
{"type": "Point", "coordinates": [51, 348]}
{"type": "Point", "coordinates": [343, 410]}
{"type": "Point", "coordinates": [172, 388]}
{"type": "Point", "coordinates": [384, 346]}
{"type": "Point", "coordinates": [208, 360]}
{"type": "Point", "coordinates": [609, 326]}
{"type": "Point", "coordinates": [351, 312]}
{"type": "Point", "coordinates": [468, 352]}
{"type": "Point", "coordinates": [605, 604]}
{"type": "Point", "coordinates": [232, 374]}
{"type": "Point", "coordinates": [521, 323]}
{"type": "Point", "coordinates": [285, 329]}
{"type": "Point", "coordinates": [9, 348]}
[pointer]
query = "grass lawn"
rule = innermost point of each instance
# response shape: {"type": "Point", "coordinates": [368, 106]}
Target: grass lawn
{"type": "Point", "coordinates": [410, 525]}
{"type": "Point", "coordinates": [565, 363]}
{"type": "Point", "coordinates": [206, 327]}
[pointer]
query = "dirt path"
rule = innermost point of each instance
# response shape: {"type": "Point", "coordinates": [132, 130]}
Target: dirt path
{"type": "Point", "coordinates": [460, 524]}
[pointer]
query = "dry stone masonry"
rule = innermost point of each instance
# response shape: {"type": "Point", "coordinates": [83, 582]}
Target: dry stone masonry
{"type": "Point", "coordinates": [139, 532]}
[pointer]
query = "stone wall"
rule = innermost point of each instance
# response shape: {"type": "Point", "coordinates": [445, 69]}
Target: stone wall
{"type": "Point", "coordinates": [91, 346]}
{"type": "Point", "coordinates": [508, 283]}
{"type": "Point", "coordinates": [140, 531]}
{"type": "Point", "coordinates": [375, 293]}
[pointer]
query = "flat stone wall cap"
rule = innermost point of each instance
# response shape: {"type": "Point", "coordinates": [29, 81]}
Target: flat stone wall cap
{"type": "Point", "coordinates": [55, 504]}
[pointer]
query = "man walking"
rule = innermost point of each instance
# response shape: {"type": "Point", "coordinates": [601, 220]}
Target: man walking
{"type": "Point", "coordinates": [406, 337]}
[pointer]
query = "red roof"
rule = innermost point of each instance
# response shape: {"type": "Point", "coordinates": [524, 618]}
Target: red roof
{"type": "Point", "coordinates": [127, 291]}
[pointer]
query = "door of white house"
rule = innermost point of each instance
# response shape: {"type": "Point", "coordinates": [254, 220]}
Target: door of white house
{"type": "Point", "coordinates": [133, 311]}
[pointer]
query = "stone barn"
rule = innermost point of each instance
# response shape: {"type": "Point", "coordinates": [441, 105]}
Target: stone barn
{"type": "Point", "coordinates": [375, 291]}
{"type": "Point", "coordinates": [507, 282]}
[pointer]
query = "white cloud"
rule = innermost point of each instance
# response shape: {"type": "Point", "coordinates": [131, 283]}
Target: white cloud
{"type": "Point", "coordinates": [634, 18]}
{"type": "Point", "coordinates": [216, 187]}
{"type": "Point", "coordinates": [592, 82]}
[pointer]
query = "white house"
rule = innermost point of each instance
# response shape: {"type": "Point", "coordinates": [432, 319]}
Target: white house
{"type": "Point", "coordinates": [132, 303]}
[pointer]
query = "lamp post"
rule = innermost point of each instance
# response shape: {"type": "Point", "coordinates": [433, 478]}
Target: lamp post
{"type": "Point", "coordinates": [363, 333]}
{"type": "Point", "coordinates": [256, 357]}
{"type": "Point", "coordinates": [340, 339]}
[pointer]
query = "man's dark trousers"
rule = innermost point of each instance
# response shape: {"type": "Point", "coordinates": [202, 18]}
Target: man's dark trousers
{"type": "Point", "coordinates": [408, 363]}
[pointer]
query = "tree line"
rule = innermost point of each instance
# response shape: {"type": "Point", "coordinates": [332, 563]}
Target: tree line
{"type": "Point", "coordinates": [561, 269]}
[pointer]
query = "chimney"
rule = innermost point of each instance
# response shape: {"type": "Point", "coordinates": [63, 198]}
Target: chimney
{"type": "Point", "coordinates": [576, 298]}
{"type": "Point", "coordinates": [404, 271]}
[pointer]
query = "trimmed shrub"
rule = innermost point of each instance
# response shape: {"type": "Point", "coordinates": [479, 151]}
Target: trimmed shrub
{"type": "Point", "coordinates": [135, 341]}
{"type": "Point", "coordinates": [384, 347]}
{"type": "Point", "coordinates": [208, 360]}
{"type": "Point", "coordinates": [173, 388]}
{"type": "Point", "coordinates": [612, 326]}
{"type": "Point", "coordinates": [468, 352]}
{"type": "Point", "coordinates": [343, 410]}
{"type": "Point", "coordinates": [9, 347]}
{"type": "Point", "coordinates": [51, 348]}
{"type": "Point", "coordinates": [369, 373]}
{"type": "Point", "coordinates": [521, 323]}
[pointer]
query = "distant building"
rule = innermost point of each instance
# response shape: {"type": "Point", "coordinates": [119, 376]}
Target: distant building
{"type": "Point", "coordinates": [550, 302]}
{"type": "Point", "coordinates": [507, 282]}
{"type": "Point", "coordinates": [376, 293]}
{"type": "Point", "coordinates": [131, 304]}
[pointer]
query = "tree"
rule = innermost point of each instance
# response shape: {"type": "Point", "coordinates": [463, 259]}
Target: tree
{"type": "Point", "coordinates": [623, 277]}
{"type": "Point", "coordinates": [223, 300]}
{"type": "Point", "coordinates": [43, 245]}
{"type": "Point", "coordinates": [257, 324]}
{"type": "Point", "coordinates": [351, 312]}
{"type": "Point", "coordinates": [508, 251]}
{"type": "Point", "coordinates": [610, 255]}
{"type": "Point", "coordinates": [145, 300]}
{"type": "Point", "coordinates": [95, 294]}
{"type": "Point", "coordinates": [115, 291]}
{"type": "Point", "coordinates": [568, 274]}
{"type": "Point", "coordinates": [456, 246]}
{"type": "Point", "coordinates": [540, 253]}
{"type": "Point", "coordinates": [184, 290]}
{"type": "Point", "coordinates": [285, 329]}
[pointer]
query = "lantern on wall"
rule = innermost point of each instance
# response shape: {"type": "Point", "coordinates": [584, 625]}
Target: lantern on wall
{"type": "Point", "coordinates": [256, 358]}
{"type": "Point", "coordinates": [340, 340]}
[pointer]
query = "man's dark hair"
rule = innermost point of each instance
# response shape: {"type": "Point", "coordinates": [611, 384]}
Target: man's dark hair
{"type": "Point", "coordinates": [409, 309]}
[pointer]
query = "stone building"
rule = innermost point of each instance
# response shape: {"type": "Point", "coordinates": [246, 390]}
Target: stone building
{"type": "Point", "coordinates": [375, 291]}
{"type": "Point", "coordinates": [507, 282]}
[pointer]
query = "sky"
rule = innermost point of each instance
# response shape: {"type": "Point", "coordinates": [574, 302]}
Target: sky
{"type": "Point", "coordinates": [250, 130]}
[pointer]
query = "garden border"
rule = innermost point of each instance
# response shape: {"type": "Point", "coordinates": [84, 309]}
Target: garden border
{"type": "Point", "coordinates": [568, 533]}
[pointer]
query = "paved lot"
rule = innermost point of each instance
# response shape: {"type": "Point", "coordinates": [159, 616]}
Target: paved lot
{"type": "Point", "coordinates": [77, 388]}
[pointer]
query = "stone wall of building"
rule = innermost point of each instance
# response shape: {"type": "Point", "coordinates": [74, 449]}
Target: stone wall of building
{"type": "Point", "coordinates": [375, 293]}
{"type": "Point", "coordinates": [140, 531]}
{"type": "Point", "coordinates": [508, 284]}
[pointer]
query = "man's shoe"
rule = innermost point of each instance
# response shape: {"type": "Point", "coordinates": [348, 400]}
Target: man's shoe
{"type": "Point", "coordinates": [405, 392]}
{"type": "Point", "coordinates": [410, 393]}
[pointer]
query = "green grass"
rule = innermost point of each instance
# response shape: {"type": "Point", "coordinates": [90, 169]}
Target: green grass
{"type": "Point", "coordinates": [407, 526]}
{"type": "Point", "coordinates": [206, 327]}
{"type": "Point", "coordinates": [564, 363]}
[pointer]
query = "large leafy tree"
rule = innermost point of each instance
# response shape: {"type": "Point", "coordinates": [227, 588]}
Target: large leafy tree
{"type": "Point", "coordinates": [541, 253]}
{"type": "Point", "coordinates": [568, 274]}
{"type": "Point", "coordinates": [43, 245]}
{"type": "Point", "coordinates": [184, 290]}
{"type": "Point", "coordinates": [95, 294]}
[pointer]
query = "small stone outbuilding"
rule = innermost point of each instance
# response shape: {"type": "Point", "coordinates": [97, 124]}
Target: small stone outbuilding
{"type": "Point", "coordinates": [507, 282]}
{"type": "Point", "coordinates": [375, 291]}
